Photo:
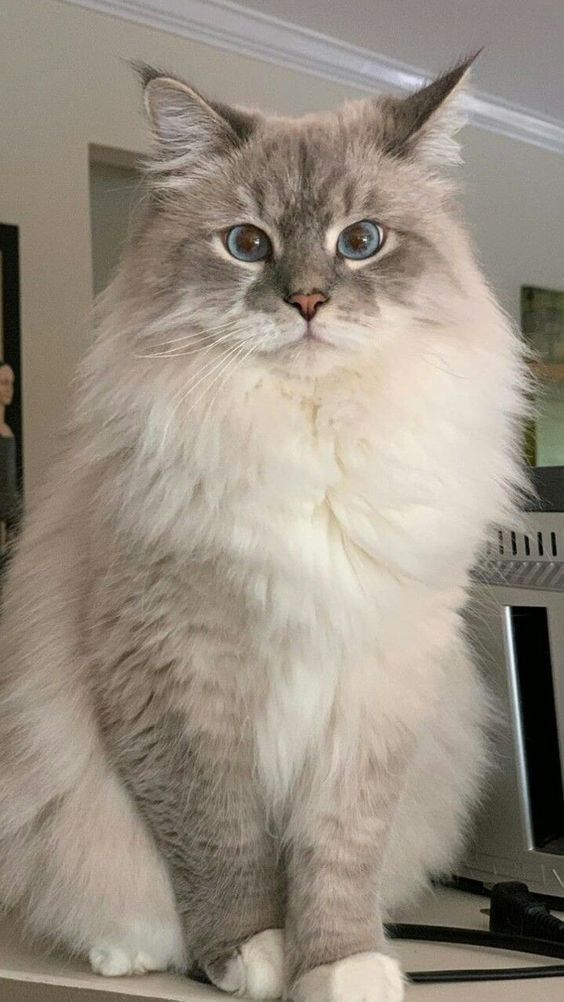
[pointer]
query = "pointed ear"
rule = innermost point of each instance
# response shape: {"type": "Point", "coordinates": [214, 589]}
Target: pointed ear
{"type": "Point", "coordinates": [188, 129]}
{"type": "Point", "coordinates": [426, 122]}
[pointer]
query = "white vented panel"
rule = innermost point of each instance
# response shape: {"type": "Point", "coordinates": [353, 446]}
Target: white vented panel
{"type": "Point", "coordinates": [526, 558]}
{"type": "Point", "coordinates": [546, 544]}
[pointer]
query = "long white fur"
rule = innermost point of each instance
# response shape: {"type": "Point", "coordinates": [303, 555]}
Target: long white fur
{"type": "Point", "coordinates": [346, 510]}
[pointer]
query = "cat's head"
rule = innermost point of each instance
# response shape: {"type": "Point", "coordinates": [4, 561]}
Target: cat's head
{"type": "Point", "coordinates": [298, 241]}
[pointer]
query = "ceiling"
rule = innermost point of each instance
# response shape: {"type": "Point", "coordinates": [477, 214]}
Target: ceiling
{"type": "Point", "coordinates": [523, 57]}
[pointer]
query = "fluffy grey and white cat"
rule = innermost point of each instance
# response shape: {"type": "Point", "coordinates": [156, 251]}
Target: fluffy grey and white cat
{"type": "Point", "coordinates": [240, 721]}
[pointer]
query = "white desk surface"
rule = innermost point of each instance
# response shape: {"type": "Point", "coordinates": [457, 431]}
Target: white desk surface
{"type": "Point", "coordinates": [29, 976]}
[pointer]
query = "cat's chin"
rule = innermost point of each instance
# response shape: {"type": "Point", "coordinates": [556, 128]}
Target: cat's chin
{"type": "Point", "coordinates": [307, 357]}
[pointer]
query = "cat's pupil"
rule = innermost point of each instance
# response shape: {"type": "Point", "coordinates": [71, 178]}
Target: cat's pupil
{"type": "Point", "coordinates": [358, 238]}
{"type": "Point", "coordinates": [248, 240]}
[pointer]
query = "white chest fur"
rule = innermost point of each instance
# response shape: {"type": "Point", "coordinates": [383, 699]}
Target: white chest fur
{"type": "Point", "coordinates": [334, 511]}
{"type": "Point", "coordinates": [325, 587]}
{"type": "Point", "coordinates": [360, 555]}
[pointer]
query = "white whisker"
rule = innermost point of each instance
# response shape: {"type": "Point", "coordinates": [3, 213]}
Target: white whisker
{"type": "Point", "coordinates": [180, 319]}
{"type": "Point", "coordinates": [200, 332]}
{"type": "Point", "coordinates": [179, 352]}
{"type": "Point", "coordinates": [211, 367]}
{"type": "Point", "coordinates": [232, 362]}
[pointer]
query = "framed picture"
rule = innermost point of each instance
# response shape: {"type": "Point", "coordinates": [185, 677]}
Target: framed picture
{"type": "Point", "coordinates": [11, 446]}
{"type": "Point", "coordinates": [10, 347]}
{"type": "Point", "coordinates": [542, 320]}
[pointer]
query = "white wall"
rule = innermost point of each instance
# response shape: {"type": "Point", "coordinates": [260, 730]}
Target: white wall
{"type": "Point", "coordinates": [65, 85]}
{"type": "Point", "coordinates": [514, 199]}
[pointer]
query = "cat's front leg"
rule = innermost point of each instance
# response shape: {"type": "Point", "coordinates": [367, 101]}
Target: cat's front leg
{"type": "Point", "coordinates": [336, 948]}
{"type": "Point", "coordinates": [234, 920]}
{"type": "Point", "coordinates": [194, 788]}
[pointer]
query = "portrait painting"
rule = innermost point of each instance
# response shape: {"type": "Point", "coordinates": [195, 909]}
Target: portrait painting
{"type": "Point", "coordinates": [11, 444]}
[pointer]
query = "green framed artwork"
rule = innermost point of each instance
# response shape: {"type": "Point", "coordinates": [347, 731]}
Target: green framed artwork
{"type": "Point", "coordinates": [542, 321]}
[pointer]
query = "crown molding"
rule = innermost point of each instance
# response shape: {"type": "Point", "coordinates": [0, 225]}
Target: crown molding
{"type": "Point", "coordinates": [226, 25]}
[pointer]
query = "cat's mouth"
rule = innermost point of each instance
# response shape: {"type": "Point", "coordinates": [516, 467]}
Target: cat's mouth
{"type": "Point", "coordinates": [311, 334]}
{"type": "Point", "coordinates": [311, 341]}
{"type": "Point", "coordinates": [311, 349]}
{"type": "Point", "coordinates": [307, 341]}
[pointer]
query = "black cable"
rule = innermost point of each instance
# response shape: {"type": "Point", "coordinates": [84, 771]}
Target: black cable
{"type": "Point", "coordinates": [485, 974]}
{"type": "Point", "coordinates": [477, 937]}
{"type": "Point", "coordinates": [481, 938]}
{"type": "Point", "coordinates": [515, 911]}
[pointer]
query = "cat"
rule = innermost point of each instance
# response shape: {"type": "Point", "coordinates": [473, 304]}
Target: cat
{"type": "Point", "coordinates": [241, 723]}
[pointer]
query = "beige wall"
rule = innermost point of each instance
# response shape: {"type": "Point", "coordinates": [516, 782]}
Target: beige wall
{"type": "Point", "coordinates": [114, 192]}
{"type": "Point", "coordinates": [65, 85]}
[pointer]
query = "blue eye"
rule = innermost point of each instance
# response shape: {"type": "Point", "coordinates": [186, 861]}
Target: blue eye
{"type": "Point", "coordinates": [360, 240]}
{"type": "Point", "coordinates": [248, 243]}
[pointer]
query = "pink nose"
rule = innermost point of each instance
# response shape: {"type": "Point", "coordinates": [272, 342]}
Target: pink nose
{"type": "Point", "coordinates": [308, 304]}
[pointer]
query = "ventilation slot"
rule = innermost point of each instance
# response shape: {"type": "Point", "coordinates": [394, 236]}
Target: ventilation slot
{"type": "Point", "coordinates": [542, 545]}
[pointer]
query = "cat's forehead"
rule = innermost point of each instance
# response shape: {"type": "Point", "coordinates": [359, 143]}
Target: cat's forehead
{"type": "Point", "coordinates": [313, 172]}
{"type": "Point", "coordinates": [295, 167]}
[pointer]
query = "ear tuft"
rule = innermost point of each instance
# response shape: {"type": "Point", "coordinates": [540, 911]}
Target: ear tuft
{"type": "Point", "coordinates": [427, 121]}
{"type": "Point", "coordinates": [179, 114]}
{"type": "Point", "coordinates": [188, 129]}
{"type": "Point", "coordinates": [145, 72]}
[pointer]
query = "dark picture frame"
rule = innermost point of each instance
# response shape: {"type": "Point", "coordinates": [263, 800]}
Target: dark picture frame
{"type": "Point", "coordinates": [10, 330]}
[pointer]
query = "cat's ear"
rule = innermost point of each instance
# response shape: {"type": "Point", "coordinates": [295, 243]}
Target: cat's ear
{"type": "Point", "coordinates": [187, 127]}
{"type": "Point", "coordinates": [427, 121]}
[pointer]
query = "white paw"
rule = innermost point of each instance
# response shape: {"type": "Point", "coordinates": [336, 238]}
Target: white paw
{"type": "Point", "coordinates": [364, 977]}
{"type": "Point", "coordinates": [117, 961]}
{"type": "Point", "coordinates": [256, 969]}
